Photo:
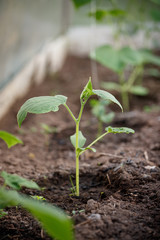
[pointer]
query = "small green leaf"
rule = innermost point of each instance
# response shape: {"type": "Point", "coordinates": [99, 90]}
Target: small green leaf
{"type": "Point", "coordinates": [87, 92]}
{"type": "Point", "coordinates": [119, 130]}
{"type": "Point", "coordinates": [99, 14]}
{"type": "Point", "coordinates": [16, 182]}
{"type": "Point", "coordinates": [81, 140]}
{"type": "Point", "coordinates": [156, 1]}
{"type": "Point", "coordinates": [155, 14]}
{"type": "Point", "coordinates": [90, 148]}
{"type": "Point", "coordinates": [153, 72]}
{"type": "Point", "coordinates": [149, 57]}
{"type": "Point", "coordinates": [52, 219]}
{"type": "Point", "coordinates": [87, 148]}
{"type": "Point", "coordinates": [80, 3]}
{"type": "Point", "coordinates": [9, 139]}
{"type": "Point", "coordinates": [109, 57]}
{"type": "Point", "coordinates": [111, 86]}
{"type": "Point", "coordinates": [139, 90]}
{"type": "Point", "coordinates": [107, 118]}
{"type": "Point", "coordinates": [39, 105]}
{"type": "Point", "coordinates": [119, 59]}
{"type": "Point", "coordinates": [116, 12]}
{"type": "Point", "coordinates": [2, 213]}
{"type": "Point", "coordinates": [107, 96]}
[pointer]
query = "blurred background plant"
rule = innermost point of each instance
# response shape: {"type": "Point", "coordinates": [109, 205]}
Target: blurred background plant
{"type": "Point", "coordinates": [129, 18]}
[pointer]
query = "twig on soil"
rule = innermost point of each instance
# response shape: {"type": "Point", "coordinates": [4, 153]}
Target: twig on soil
{"type": "Point", "coordinates": [108, 179]}
{"type": "Point", "coordinates": [42, 233]}
{"type": "Point", "coordinates": [82, 223]}
{"type": "Point", "coordinates": [147, 158]}
{"type": "Point", "coordinates": [110, 155]}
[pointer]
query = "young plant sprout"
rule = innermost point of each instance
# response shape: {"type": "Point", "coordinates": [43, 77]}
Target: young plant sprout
{"type": "Point", "coordinates": [9, 139]}
{"type": "Point", "coordinates": [119, 61]}
{"type": "Point", "coordinates": [51, 218]}
{"type": "Point", "coordinates": [98, 108]}
{"type": "Point", "coordinates": [47, 104]}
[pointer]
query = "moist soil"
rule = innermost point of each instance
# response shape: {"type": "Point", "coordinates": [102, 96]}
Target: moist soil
{"type": "Point", "coordinates": [119, 184]}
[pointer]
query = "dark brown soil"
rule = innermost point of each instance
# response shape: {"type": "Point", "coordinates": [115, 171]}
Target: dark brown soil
{"type": "Point", "coordinates": [119, 184]}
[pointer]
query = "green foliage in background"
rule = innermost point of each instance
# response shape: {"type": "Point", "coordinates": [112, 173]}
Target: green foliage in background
{"type": "Point", "coordinates": [120, 60]}
{"type": "Point", "coordinates": [99, 111]}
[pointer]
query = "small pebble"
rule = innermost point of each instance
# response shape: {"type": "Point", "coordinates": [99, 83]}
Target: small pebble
{"type": "Point", "coordinates": [95, 216]}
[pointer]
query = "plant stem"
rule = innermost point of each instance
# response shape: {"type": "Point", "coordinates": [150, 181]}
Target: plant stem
{"type": "Point", "coordinates": [77, 159]}
{"type": "Point", "coordinates": [76, 148]}
{"type": "Point", "coordinates": [125, 100]}
{"type": "Point", "coordinates": [124, 93]}
{"type": "Point", "coordinates": [70, 112]}
{"type": "Point", "coordinates": [92, 143]}
{"type": "Point", "coordinates": [133, 76]}
{"type": "Point", "coordinates": [77, 121]}
{"type": "Point", "coordinates": [100, 127]}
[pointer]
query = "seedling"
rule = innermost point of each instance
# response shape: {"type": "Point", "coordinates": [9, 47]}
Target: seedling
{"type": "Point", "coordinates": [9, 139]}
{"type": "Point", "coordinates": [2, 213]}
{"type": "Point", "coordinates": [48, 129]}
{"type": "Point", "coordinates": [39, 198]}
{"type": "Point", "coordinates": [16, 182]}
{"type": "Point", "coordinates": [120, 60]}
{"type": "Point", "coordinates": [52, 219]}
{"type": "Point", "coordinates": [99, 111]}
{"type": "Point", "coordinates": [46, 104]}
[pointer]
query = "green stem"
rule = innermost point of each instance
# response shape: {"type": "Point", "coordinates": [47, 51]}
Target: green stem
{"type": "Point", "coordinates": [70, 112]}
{"type": "Point", "coordinates": [77, 147]}
{"type": "Point", "coordinates": [77, 159]}
{"type": "Point", "coordinates": [125, 86]}
{"type": "Point", "coordinates": [77, 121]}
{"type": "Point", "coordinates": [124, 93]}
{"type": "Point", "coordinates": [92, 143]}
{"type": "Point", "coordinates": [100, 127]}
{"type": "Point", "coordinates": [125, 100]}
{"type": "Point", "coordinates": [137, 71]}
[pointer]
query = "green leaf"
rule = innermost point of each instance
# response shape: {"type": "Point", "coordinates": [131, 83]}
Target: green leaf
{"type": "Point", "coordinates": [87, 148]}
{"type": "Point", "coordinates": [119, 59]}
{"type": "Point", "coordinates": [9, 139]}
{"type": "Point", "coordinates": [81, 140]}
{"type": "Point", "coordinates": [90, 148]}
{"type": "Point", "coordinates": [39, 105]}
{"type": "Point", "coordinates": [130, 56]}
{"type": "Point", "coordinates": [153, 72]}
{"type": "Point", "coordinates": [87, 92]}
{"type": "Point", "coordinates": [107, 118]}
{"type": "Point", "coordinates": [111, 86]}
{"type": "Point", "coordinates": [16, 182]}
{"type": "Point", "coordinates": [139, 90]}
{"type": "Point", "coordinates": [149, 57]}
{"type": "Point", "coordinates": [99, 14]}
{"type": "Point", "coordinates": [119, 130]}
{"type": "Point", "coordinates": [155, 14]}
{"type": "Point", "coordinates": [156, 1]}
{"type": "Point", "coordinates": [116, 12]}
{"type": "Point", "coordinates": [98, 109]}
{"type": "Point", "coordinates": [80, 3]}
{"type": "Point", "coordinates": [109, 57]}
{"type": "Point", "coordinates": [2, 213]}
{"type": "Point", "coordinates": [52, 219]}
{"type": "Point", "coordinates": [107, 96]}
